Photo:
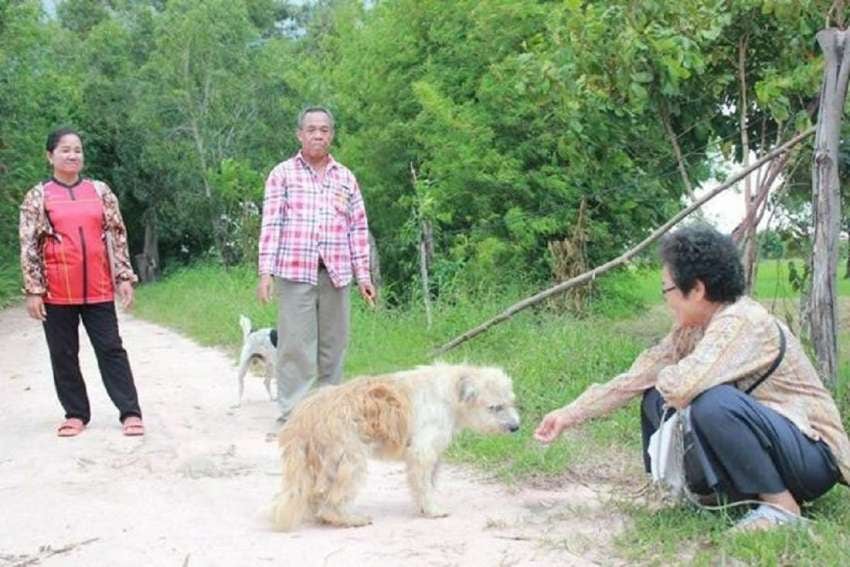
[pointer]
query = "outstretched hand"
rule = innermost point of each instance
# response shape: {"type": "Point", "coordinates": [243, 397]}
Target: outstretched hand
{"type": "Point", "coordinates": [553, 424]}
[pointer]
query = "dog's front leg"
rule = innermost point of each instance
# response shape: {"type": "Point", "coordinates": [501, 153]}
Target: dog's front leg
{"type": "Point", "coordinates": [267, 381]}
{"type": "Point", "coordinates": [421, 466]}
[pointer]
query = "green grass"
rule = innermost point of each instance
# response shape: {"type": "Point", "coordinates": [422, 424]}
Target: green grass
{"type": "Point", "coordinates": [10, 280]}
{"type": "Point", "coordinates": [552, 357]}
{"type": "Point", "coordinates": [684, 535]}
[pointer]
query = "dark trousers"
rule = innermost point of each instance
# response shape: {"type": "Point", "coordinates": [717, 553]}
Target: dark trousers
{"type": "Point", "coordinates": [740, 448]}
{"type": "Point", "coordinates": [63, 341]}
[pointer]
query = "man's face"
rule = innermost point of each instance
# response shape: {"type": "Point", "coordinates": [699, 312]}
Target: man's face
{"type": "Point", "coordinates": [316, 134]}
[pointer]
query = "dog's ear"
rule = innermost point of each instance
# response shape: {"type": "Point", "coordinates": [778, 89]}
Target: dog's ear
{"type": "Point", "coordinates": [466, 389]}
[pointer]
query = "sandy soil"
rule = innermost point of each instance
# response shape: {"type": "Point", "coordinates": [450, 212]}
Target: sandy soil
{"type": "Point", "coordinates": [192, 492]}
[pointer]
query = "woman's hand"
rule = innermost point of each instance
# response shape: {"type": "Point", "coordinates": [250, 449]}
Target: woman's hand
{"type": "Point", "coordinates": [554, 424]}
{"type": "Point", "coordinates": [125, 292]}
{"type": "Point", "coordinates": [35, 307]}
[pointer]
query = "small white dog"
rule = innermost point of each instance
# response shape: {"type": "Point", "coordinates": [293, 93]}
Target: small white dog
{"type": "Point", "coordinates": [410, 416]}
{"type": "Point", "coordinates": [256, 345]}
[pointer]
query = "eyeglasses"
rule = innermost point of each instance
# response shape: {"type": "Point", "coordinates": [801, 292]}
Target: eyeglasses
{"type": "Point", "coordinates": [665, 290]}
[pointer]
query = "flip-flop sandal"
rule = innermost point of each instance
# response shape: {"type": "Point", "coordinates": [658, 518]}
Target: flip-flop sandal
{"type": "Point", "coordinates": [71, 427]}
{"type": "Point", "coordinates": [133, 427]}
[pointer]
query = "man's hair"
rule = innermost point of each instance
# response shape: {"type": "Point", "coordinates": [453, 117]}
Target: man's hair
{"type": "Point", "coordinates": [700, 252]}
{"type": "Point", "coordinates": [57, 134]}
{"type": "Point", "coordinates": [303, 114]}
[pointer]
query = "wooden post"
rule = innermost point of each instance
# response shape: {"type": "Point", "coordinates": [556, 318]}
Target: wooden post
{"type": "Point", "coordinates": [425, 247]}
{"type": "Point", "coordinates": [375, 264]}
{"type": "Point", "coordinates": [826, 201]}
{"type": "Point", "coordinates": [424, 243]}
{"type": "Point", "coordinates": [147, 263]}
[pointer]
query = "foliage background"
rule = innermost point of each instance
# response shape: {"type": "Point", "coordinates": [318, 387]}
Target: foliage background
{"type": "Point", "coordinates": [513, 113]}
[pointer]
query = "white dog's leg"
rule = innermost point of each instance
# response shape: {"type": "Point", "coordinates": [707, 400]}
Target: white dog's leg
{"type": "Point", "coordinates": [267, 381]}
{"type": "Point", "coordinates": [244, 363]}
{"type": "Point", "coordinates": [422, 460]}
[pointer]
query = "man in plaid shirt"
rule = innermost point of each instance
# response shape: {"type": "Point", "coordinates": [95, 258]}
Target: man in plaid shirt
{"type": "Point", "coordinates": [313, 239]}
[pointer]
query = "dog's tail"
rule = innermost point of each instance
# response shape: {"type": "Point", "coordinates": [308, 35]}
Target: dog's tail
{"type": "Point", "coordinates": [291, 504]}
{"type": "Point", "coordinates": [245, 323]}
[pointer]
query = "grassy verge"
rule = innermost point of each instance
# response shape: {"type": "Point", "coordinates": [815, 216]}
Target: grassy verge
{"type": "Point", "coordinates": [552, 357]}
{"type": "Point", "coordinates": [10, 280]}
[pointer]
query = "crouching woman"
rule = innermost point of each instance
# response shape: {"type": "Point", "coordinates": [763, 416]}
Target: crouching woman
{"type": "Point", "coordinates": [765, 426]}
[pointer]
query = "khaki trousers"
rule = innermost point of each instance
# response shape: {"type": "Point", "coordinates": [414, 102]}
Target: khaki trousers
{"type": "Point", "coordinates": [312, 328]}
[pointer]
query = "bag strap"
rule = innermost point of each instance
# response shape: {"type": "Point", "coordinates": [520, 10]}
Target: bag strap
{"type": "Point", "coordinates": [776, 361]}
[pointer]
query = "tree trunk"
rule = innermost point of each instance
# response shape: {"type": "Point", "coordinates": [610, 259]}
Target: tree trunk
{"type": "Point", "coordinates": [749, 237]}
{"type": "Point", "coordinates": [426, 248]}
{"type": "Point", "coordinates": [677, 150]}
{"type": "Point", "coordinates": [374, 263]}
{"type": "Point", "coordinates": [826, 201]}
{"type": "Point", "coordinates": [745, 234]}
{"type": "Point", "coordinates": [425, 244]}
{"type": "Point", "coordinates": [147, 263]}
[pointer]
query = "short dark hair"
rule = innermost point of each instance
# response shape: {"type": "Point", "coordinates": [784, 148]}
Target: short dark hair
{"type": "Point", "coordinates": [54, 137]}
{"type": "Point", "coordinates": [699, 252]}
{"type": "Point", "coordinates": [309, 109]}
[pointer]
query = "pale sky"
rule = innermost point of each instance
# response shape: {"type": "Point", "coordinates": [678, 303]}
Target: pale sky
{"type": "Point", "coordinates": [725, 210]}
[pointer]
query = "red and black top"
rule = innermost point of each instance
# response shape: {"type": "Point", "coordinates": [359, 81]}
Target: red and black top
{"type": "Point", "coordinates": [76, 260]}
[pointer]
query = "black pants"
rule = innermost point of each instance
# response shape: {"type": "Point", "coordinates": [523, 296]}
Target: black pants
{"type": "Point", "coordinates": [63, 341]}
{"type": "Point", "coordinates": [741, 448]}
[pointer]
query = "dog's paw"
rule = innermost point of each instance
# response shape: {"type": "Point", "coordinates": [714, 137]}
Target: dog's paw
{"type": "Point", "coordinates": [357, 521]}
{"type": "Point", "coordinates": [345, 520]}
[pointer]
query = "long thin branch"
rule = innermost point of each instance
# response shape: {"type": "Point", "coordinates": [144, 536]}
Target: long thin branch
{"type": "Point", "coordinates": [50, 552]}
{"type": "Point", "coordinates": [677, 150]}
{"type": "Point", "coordinates": [745, 136]}
{"type": "Point", "coordinates": [592, 274]}
{"type": "Point", "coordinates": [752, 217]}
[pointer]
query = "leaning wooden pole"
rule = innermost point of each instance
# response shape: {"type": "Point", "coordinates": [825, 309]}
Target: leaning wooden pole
{"type": "Point", "coordinates": [592, 274]}
{"type": "Point", "coordinates": [826, 202]}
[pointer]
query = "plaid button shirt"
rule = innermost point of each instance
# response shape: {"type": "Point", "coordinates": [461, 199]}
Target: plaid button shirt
{"type": "Point", "coordinates": [305, 219]}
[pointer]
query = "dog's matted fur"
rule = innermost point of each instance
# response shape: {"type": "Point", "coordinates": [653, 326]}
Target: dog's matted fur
{"type": "Point", "coordinates": [410, 416]}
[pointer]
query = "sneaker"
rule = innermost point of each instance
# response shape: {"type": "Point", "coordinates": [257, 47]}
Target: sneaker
{"type": "Point", "coordinates": [766, 517]}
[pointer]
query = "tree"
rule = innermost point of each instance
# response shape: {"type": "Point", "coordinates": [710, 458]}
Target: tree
{"type": "Point", "coordinates": [198, 103]}
{"type": "Point", "coordinates": [822, 309]}
{"type": "Point", "coordinates": [38, 92]}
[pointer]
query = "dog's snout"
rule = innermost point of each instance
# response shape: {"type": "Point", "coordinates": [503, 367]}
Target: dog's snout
{"type": "Point", "coordinates": [513, 427]}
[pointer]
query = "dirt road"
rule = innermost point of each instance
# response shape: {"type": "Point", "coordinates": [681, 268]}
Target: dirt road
{"type": "Point", "coordinates": [192, 492]}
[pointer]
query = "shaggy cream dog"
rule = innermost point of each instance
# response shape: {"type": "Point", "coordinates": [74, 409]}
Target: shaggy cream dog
{"type": "Point", "coordinates": [410, 416]}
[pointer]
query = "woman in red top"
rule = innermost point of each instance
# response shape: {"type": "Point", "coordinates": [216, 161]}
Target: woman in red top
{"type": "Point", "coordinates": [74, 258]}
